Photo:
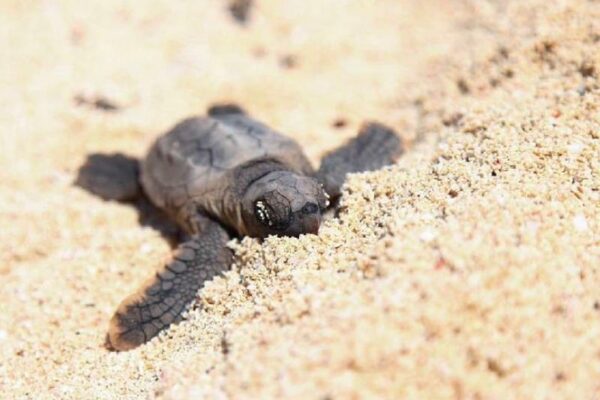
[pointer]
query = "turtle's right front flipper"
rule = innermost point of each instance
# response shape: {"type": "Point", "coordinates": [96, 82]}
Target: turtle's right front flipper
{"type": "Point", "coordinates": [163, 298]}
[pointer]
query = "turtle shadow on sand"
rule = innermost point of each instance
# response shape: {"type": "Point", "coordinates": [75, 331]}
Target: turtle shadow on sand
{"type": "Point", "coordinates": [92, 177]}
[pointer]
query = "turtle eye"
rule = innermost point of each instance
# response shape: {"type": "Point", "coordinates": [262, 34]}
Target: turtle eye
{"type": "Point", "coordinates": [310, 208]}
{"type": "Point", "coordinates": [263, 213]}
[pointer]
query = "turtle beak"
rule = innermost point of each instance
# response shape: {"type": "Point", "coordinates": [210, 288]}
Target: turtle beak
{"type": "Point", "coordinates": [311, 223]}
{"type": "Point", "coordinates": [305, 224]}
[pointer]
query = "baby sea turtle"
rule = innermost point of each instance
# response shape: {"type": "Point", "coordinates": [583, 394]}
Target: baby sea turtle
{"type": "Point", "coordinates": [222, 175]}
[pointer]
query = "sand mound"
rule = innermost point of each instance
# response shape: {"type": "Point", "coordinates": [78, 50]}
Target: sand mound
{"type": "Point", "coordinates": [468, 270]}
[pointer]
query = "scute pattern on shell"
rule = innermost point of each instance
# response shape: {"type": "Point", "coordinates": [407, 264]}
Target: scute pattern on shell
{"type": "Point", "coordinates": [193, 159]}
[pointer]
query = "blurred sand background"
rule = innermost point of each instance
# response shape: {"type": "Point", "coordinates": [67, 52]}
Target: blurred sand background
{"type": "Point", "coordinates": [470, 270]}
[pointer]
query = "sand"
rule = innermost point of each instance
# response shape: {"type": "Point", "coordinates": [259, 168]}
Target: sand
{"type": "Point", "coordinates": [469, 270]}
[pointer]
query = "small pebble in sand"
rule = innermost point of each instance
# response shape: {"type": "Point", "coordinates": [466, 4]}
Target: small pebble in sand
{"type": "Point", "coordinates": [580, 223]}
{"type": "Point", "coordinates": [145, 248]}
{"type": "Point", "coordinates": [288, 61]}
{"type": "Point", "coordinates": [98, 102]}
{"type": "Point", "coordinates": [240, 10]}
{"type": "Point", "coordinates": [428, 235]}
{"type": "Point", "coordinates": [575, 148]}
{"type": "Point", "coordinates": [339, 123]}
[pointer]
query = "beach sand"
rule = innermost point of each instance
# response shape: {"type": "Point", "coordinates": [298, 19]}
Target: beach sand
{"type": "Point", "coordinates": [468, 270]}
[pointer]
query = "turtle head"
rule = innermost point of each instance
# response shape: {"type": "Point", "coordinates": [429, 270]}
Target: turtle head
{"type": "Point", "coordinates": [283, 203]}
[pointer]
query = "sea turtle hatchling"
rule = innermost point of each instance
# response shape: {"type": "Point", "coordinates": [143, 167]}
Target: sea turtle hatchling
{"type": "Point", "coordinates": [222, 175]}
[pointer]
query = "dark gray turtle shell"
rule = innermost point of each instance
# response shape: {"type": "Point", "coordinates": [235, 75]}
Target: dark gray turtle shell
{"type": "Point", "coordinates": [189, 169]}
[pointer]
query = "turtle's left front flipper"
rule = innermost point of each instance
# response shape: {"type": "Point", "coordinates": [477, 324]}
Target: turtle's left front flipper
{"type": "Point", "coordinates": [375, 147]}
{"type": "Point", "coordinates": [164, 297]}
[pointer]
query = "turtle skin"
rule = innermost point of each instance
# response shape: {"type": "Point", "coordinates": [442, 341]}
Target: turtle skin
{"type": "Point", "coordinates": [198, 173]}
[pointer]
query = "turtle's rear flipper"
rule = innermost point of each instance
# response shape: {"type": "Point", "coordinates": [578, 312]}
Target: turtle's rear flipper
{"type": "Point", "coordinates": [164, 297]}
{"type": "Point", "coordinates": [110, 176]}
{"type": "Point", "coordinates": [375, 147]}
{"type": "Point", "coordinates": [220, 109]}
